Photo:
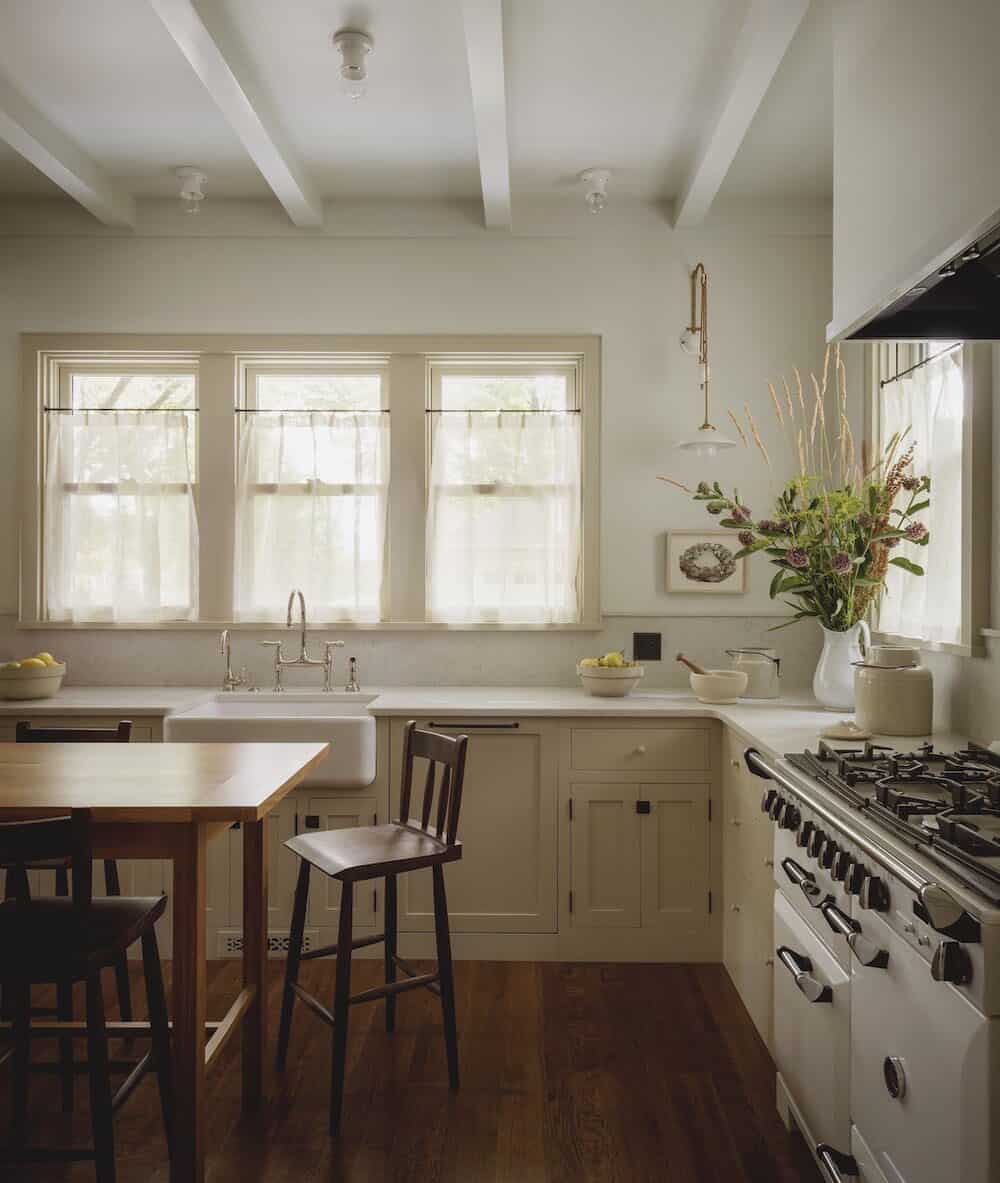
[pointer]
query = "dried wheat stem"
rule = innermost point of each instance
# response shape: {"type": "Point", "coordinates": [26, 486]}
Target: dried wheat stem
{"type": "Point", "coordinates": [736, 424]}
{"type": "Point", "coordinates": [670, 481]}
{"type": "Point", "coordinates": [777, 405]}
{"type": "Point", "coordinates": [788, 399]}
{"type": "Point", "coordinates": [756, 435]}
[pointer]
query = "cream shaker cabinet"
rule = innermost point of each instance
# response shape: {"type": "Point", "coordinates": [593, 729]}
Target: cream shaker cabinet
{"type": "Point", "coordinates": [748, 887]}
{"type": "Point", "coordinates": [506, 879]}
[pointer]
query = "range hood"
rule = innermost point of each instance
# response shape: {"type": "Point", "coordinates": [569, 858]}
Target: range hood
{"type": "Point", "coordinates": [959, 301]}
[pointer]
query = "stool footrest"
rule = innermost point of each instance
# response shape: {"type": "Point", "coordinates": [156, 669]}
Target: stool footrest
{"type": "Point", "coordinates": [376, 992]}
{"type": "Point", "coordinates": [331, 950]}
{"type": "Point", "coordinates": [413, 972]}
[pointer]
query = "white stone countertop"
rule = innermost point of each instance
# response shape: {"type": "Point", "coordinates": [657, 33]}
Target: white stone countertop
{"type": "Point", "coordinates": [125, 701]}
{"type": "Point", "coordinates": [777, 726]}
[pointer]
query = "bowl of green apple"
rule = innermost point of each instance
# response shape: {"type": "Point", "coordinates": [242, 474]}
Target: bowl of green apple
{"type": "Point", "coordinates": [610, 676]}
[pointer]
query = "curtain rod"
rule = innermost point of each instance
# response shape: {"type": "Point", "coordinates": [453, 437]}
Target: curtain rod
{"type": "Point", "coordinates": [499, 411]}
{"type": "Point", "coordinates": [923, 362]}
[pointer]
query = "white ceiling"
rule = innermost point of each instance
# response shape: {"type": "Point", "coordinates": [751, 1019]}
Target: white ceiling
{"type": "Point", "coordinates": [629, 86]}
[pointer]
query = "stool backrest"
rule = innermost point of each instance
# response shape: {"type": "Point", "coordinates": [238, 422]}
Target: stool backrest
{"type": "Point", "coordinates": [48, 839]}
{"type": "Point", "coordinates": [25, 733]}
{"type": "Point", "coordinates": [449, 752]}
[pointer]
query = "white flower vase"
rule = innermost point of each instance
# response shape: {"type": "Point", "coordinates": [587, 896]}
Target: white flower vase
{"type": "Point", "coordinates": [833, 681]}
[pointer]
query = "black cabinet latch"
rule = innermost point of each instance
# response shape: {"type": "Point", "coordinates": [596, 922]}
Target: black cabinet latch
{"type": "Point", "coordinates": [642, 807]}
{"type": "Point", "coordinates": [312, 821]}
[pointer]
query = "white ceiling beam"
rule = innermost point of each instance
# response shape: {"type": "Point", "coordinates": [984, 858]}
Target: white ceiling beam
{"type": "Point", "coordinates": [483, 21]}
{"type": "Point", "coordinates": [218, 63]}
{"type": "Point", "coordinates": [31, 135]}
{"type": "Point", "coordinates": [763, 40]}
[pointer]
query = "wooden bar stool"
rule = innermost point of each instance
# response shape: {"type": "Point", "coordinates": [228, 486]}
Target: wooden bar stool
{"type": "Point", "coordinates": [55, 940]}
{"type": "Point", "coordinates": [382, 852]}
{"type": "Point", "coordinates": [16, 886]}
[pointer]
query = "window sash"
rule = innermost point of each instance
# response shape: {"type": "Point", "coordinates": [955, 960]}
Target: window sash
{"type": "Point", "coordinates": [405, 363]}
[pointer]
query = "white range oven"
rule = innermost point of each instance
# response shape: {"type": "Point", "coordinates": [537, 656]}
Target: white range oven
{"type": "Point", "coordinates": [887, 959]}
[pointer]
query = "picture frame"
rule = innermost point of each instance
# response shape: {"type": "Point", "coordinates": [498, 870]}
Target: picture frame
{"type": "Point", "coordinates": [703, 562]}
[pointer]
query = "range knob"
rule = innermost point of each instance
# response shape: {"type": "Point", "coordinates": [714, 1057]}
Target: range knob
{"type": "Point", "coordinates": [874, 894]}
{"type": "Point", "coordinates": [790, 818]}
{"type": "Point", "coordinates": [840, 868]}
{"type": "Point", "coordinates": [777, 805]}
{"type": "Point", "coordinates": [854, 878]}
{"type": "Point", "coordinates": [768, 800]}
{"type": "Point", "coordinates": [827, 853]}
{"type": "Point", "coordinates": [816, 840]}
{"type": "Point", "coordinates": [951, 963]}
{"type": "Point", "coordinates": [804, 834]}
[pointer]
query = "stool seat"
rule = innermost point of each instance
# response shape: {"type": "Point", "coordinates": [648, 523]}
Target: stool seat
{"type": "Point", "coordinates": [50, 940]}
{"type": "Point", "coordinates": [368, 852]}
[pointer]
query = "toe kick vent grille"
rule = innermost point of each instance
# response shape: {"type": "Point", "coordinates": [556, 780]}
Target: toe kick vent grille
{"type": "Point", "coordinates": [231, 943]}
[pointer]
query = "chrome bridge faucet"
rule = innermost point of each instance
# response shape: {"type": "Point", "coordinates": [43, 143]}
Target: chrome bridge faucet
{"type": "Point", "coordinates": [303, 659]}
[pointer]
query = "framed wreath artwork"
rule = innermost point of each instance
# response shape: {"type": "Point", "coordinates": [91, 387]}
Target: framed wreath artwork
{"type": "Point", "coordinates": [704, 562]}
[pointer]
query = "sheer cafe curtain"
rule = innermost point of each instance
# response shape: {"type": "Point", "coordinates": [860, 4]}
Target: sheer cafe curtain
{"type": "Point", "coordinates": [930, 402]}
{"type": "Point", "coordinates": [311, 513]}
{"type": "Point", "coordinates": [504, 517]}
{"type": "Point", "coordinates": [121, 527]}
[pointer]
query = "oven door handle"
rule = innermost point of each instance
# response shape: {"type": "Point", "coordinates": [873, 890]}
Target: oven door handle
{"type": "Point", "coordinates": [838, 1165]}
{"type": "Point", "coordinates": [800, 967]}
{"type": "Point", "coordinates": [934, 904]}
{"type": "Point", "coordinates": [863, 948]}
{"type": "Point", "coordinates": [804, 880]}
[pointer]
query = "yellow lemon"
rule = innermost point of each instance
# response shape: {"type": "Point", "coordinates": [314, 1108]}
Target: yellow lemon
{"type": "Point", "coordinates": [589, 663]}
{"type": "Point", "coordinates": [47, 658]}
{"type": "Point", "coordinates": [32, 663]}
{"type": "Point", "coordinates": [613, 661]}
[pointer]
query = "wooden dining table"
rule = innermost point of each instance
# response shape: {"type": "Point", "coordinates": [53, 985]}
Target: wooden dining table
{"type": "Point", "coordinates": [168, 801]}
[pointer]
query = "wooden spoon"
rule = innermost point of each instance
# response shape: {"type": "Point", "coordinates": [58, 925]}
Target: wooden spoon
{"type": "Point", "coordinates": [693, 666]}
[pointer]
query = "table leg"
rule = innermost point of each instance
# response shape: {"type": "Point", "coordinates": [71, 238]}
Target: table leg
{"type": "Point", "coordinates": [254, 960]}
{"type": "Point", "coordinates": [189, 989]}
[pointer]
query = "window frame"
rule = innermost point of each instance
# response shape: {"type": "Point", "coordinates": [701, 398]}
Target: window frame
{"type": "Point", "coordinates": [883, 357]}
{"type": "Point", "coordinates": [222, 363]}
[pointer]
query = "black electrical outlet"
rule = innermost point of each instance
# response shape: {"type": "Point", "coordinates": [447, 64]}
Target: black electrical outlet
{"type": "Point", "coordinates": [647, 646]}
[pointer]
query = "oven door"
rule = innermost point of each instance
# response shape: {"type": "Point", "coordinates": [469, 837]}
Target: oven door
{"type": "Point", "coordinates": [923, 1066]}
{"type": "Point", "coordinates": [812, 1030]}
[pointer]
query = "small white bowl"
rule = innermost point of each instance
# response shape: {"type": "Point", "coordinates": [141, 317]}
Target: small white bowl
{"type": "Point", "coordinates": [719, 686]}
{"type": "Point", "coordinates": [608, 682]}
{"type": "Point", "coordinates": [32, 682]}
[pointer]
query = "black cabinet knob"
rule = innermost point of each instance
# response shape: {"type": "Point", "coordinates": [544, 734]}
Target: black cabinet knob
{"type": "Point", "coordinates": [951, 963]}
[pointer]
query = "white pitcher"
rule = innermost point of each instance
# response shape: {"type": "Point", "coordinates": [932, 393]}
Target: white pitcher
{"type": "Point", "coordinates": [833, 681]}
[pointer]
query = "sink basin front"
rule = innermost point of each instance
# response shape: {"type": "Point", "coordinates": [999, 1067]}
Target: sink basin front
{"type": "Point", "coordinates": [339, 719]}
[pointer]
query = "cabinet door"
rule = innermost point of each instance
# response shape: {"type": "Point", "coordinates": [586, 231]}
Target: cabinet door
{"type": "Point", "coordinates": [506, 878]}
{"type": "Point", "coordinates": [336, 812]}
{"type": "Point", "coordinates": [675, 857]}
{"type": "Point", "coordinates": [605, 855]}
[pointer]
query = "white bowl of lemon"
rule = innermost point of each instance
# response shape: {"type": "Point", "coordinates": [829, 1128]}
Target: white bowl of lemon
{"type": "Point", "coordinates": [39, 676]}
{"type": "Point", "coordinates": [610, 676]}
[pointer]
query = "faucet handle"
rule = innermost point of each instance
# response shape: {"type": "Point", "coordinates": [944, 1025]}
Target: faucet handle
{"type": "Point", "coordinates": [275, 645]}
{"type": "Point", "coordinates": [328, 645]}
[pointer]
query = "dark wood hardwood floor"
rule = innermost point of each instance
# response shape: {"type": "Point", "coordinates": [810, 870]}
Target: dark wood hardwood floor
{"type": "Point", "coordinates": [596, 1073]}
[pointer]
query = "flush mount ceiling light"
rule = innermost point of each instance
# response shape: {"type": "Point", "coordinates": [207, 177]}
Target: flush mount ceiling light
{"type": "Point", "coordinates": [595, 182]}
{"type": "Point", "coordinates": [694, 340]}
{"type": "Point", "coordinates": [354, 49]}
{"type": "Point", "coordinates": [192, 182]}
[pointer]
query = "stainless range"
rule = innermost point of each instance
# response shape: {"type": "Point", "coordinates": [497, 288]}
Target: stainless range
{"type": "Point", "coordinates": [887, 965]}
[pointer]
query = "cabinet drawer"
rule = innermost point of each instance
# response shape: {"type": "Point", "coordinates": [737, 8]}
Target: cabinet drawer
{"type": "Point", "coordinates": [639, 749]}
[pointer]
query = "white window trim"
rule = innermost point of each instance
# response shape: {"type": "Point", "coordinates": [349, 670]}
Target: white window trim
{"type": "Point", "coordinates": [222, 361]}
{"type": "Point", "coordinates": [977, 480]}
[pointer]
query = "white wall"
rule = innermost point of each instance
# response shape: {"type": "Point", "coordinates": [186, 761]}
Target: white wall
{"type": "Point", "coordinates": [623, 276]}
{"type": "Point", "coordinates": [916, 169]}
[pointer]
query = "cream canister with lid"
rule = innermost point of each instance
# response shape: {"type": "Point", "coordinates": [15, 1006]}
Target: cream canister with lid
{"type": "Point", "coordinates": [893, 692]}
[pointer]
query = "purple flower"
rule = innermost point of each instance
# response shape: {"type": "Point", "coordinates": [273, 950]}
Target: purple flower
{"type": "Point", "coordinates": [889, 543]}
{"type": "Point", "coordinates": [841, 562]}
{"type": "Point", "coordinates": [740, 513]}
{"type": "Point", "coordinates": [769, 526]}
{"type": "Point", "coordinates": [746, 538]}
{"type": "Point", "coordinates": [916, 531]}
{"type": "Point", "coordinates": [865, 521]}
{"type": "Point", "coordinates": [797, 557]}
{"type": "Point", "coordinates": [911, 483]}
